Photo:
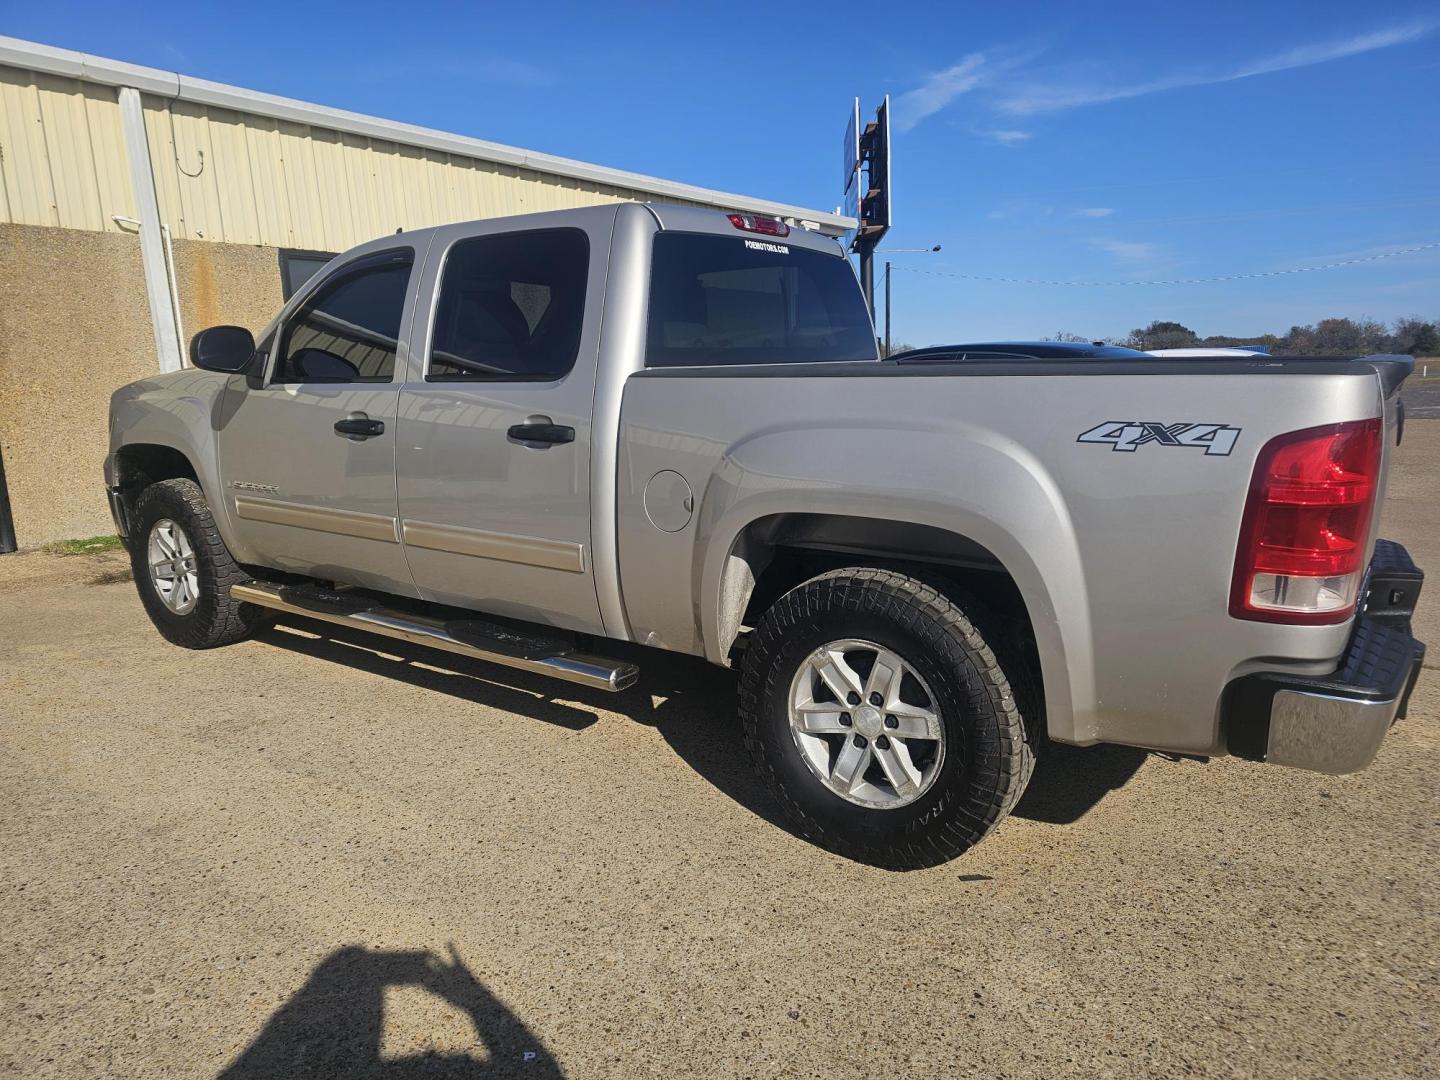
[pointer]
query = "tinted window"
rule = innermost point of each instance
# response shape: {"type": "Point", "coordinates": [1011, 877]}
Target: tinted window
{"type": "Point", "coordinates": [298, 267]}
{"type": "Point", "coordinates": [349, 329]}
{"type": "Point", "coordinates": [511, 307]}
{"type": "Point", "coordinates": [738, 300]}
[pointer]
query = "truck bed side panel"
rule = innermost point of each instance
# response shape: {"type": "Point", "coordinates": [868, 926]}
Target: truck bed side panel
{"type": "Point", "coordinates": [1123, 556]}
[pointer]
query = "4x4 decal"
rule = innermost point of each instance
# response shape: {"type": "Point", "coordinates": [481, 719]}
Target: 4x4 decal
{"type": "Point", "coordinates": [1125, 435]}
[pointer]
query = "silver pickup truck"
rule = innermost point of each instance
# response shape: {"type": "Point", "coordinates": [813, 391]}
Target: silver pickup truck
{"type": "Point", "coordinates": [522, 438]}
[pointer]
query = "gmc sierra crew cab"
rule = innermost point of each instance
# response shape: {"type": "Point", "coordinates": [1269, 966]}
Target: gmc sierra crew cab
{"type": "Point", "coordinates": [520, 439]}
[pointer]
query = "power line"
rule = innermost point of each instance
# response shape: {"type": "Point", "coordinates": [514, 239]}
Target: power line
{"type": "Point", "coordinates": [1175, 281]}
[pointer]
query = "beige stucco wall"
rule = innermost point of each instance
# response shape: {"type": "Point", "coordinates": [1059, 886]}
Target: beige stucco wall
{"type": "Point", "coordinates": [226, 283]}
{"type": "Point", "coordinates": [74, 325]}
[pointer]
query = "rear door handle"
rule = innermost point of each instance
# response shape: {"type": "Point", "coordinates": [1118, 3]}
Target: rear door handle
{"type": "Point", "coordinates": [358, 426]}
{"type": "Point", "coordinates": [538, 431]}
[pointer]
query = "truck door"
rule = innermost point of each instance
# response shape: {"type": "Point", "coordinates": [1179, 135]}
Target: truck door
{"type": "Point", "coordinates": [493, 450]}
{"type": "Point", "coordinates": [307, 457]}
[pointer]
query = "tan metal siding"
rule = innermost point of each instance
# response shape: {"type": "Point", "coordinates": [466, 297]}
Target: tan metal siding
{"type": "Point", "coordinates": [240, 178]}
{"type": "Point", "coordinates": [62, 158]}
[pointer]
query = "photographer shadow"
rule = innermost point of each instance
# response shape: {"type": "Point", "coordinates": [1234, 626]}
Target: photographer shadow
{"type": "Point", "coordinates": [333, 1026]}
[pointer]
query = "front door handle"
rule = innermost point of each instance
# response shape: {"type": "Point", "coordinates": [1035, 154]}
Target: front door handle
{"type": "Point", "coordinates": [539, 431]}
{"type": "Point", "coordinates": [358, 426]}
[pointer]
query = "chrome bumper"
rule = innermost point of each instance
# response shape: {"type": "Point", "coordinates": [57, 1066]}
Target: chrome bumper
{"type": "Point", "coordinates": [1327, 734]}
{"type": "Point", "coordinates": [1335, 723]}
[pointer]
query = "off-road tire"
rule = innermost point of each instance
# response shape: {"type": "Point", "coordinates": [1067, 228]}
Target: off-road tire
{"type": "Point", "coordinates": [216, 619]}
{"type": "Point", "coordinates": [989, 755]}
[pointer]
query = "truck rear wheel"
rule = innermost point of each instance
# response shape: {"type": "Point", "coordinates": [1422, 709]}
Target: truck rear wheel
{"type": "Point", "coordinates": [183, 571]}
{"type": "Point", "coordinates": [881, 720]}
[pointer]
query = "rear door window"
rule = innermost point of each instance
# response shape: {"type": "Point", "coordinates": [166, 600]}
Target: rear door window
{"type": "Point", "coordinates": [721, 300]}
{"type": "Point", "coordinates": [511, 307]}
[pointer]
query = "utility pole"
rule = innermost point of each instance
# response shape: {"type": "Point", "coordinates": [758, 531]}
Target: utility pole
{"type": "Point", "coordinates": [897, 251]}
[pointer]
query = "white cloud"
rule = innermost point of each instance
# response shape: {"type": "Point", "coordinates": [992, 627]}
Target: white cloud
{"type": "Point", "coordinates": [1008, 137]}
{"type": "Point", "coordinates": [1092, 212]}
{"type": "Point", "coordinates": [1128, 250]}
{"type": "Point", "coordinates": [938, 90]}
{"type": "Point", "coordinates": [1039, 98]}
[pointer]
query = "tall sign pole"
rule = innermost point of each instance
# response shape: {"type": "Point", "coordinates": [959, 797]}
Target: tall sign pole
{"type": "Point", "coordinates": [871, 199]}
{"type": "Point", "coordinates": [887, 308]}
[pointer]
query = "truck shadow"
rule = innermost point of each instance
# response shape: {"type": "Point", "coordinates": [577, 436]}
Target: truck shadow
{"type": "Point", "coordinates": [691, 703]}
{"type": "Point", "coordinates": [481, 684]}
{"type": "Point", "coordinates": [333, 1026]}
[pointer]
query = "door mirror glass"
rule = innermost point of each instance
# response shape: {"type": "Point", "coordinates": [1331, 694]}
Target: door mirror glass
{"type": "Point", "coordinates": [222, 348]}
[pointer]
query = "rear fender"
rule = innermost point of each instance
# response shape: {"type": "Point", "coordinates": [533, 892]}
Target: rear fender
{"type": "Point", "coordinates": [988, 490]}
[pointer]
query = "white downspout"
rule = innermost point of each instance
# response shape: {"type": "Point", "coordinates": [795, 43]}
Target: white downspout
{"type": "Point", "coordinates": [174, 275]}
{"type": "Point", "coordinates": [158, 289]}
{"type": "Point", "coordinates": [170, 271]}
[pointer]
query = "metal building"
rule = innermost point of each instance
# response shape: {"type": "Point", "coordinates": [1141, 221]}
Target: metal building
{"type": "Point", "coordinates": [138, 204]}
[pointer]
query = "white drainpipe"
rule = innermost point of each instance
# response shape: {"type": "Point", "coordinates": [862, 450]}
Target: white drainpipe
{"type": "Point", "coordinates": [170, 272]}
{"type": "Point", "coordinates": [174, 288]}
{"type": "Point", "coordinates": [159, 289]}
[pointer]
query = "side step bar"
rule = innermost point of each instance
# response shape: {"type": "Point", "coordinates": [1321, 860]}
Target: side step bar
{"type": "Point", "coordinates": [477, 640]}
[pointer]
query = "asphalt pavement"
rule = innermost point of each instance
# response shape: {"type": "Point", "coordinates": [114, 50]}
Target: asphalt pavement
{"type": "Point", "coordinates": [1422, 397]}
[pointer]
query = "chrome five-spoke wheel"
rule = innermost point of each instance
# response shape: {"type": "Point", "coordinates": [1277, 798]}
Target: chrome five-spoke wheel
{"type": "Point", "coordinates": [172, 567]}
{"type": "Point", "coordinates": [866, 724]}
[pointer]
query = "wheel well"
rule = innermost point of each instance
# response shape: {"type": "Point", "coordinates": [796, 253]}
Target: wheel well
{"type": "Point", "coordinates": [775, 554]}
{"type": "Point", "coordinates": [142, 464]}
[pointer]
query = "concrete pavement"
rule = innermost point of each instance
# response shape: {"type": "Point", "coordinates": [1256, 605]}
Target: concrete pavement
{"type": "Point", "coordinates": [321, 855]}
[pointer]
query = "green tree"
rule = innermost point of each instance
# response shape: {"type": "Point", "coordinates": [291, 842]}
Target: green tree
{"type": "Point", "coordinates": [1339, 337]}
{"type": "Point", "coordinates": [1416, 337]}
{"type": "Point", "coordinates": [1163, 335]}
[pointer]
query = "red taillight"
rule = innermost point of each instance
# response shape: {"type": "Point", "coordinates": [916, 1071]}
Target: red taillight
{"type": "Point", "coordinates": [1307, 525]}
{"type": "Point", "coordinates": [767, 226]}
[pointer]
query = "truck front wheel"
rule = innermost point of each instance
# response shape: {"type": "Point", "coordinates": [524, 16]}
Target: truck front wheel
{"type": "Point", "coordinates": [881, 720]}
{"type": "Point", "coordinates": [183, 571]}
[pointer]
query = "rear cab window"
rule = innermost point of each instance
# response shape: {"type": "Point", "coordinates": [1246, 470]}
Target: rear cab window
{"type": "Point", "coordinates": [722, 300]}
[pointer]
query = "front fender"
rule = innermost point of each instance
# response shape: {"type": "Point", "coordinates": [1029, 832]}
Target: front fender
{"type": "Point", "coordinates": [180, 410]}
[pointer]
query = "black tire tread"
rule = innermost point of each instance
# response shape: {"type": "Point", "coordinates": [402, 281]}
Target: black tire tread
{"type": "Point", "coordinates": [1006, 759]}
{"type": "Point", "coordinates": [217, 619]}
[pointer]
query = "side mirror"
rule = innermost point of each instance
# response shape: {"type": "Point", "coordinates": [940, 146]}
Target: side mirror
{"type": "Point", "coordinates": [227, 349]}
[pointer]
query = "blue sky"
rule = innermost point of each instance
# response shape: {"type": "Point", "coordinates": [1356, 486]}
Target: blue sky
{"type": "Point", "coordinates": [1123, 142]}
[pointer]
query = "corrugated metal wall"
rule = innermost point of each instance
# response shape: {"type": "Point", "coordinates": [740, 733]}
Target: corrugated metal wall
{"type": "Point", "coordinates": [244, 179]}
{"type": "Point", "coordinates": [62, 157]}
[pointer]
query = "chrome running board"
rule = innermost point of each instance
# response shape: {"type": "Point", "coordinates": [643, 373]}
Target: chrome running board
{"type": "Point", "coordinates": [476, 639]}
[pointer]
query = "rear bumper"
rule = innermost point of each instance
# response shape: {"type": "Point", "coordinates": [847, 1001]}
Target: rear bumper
{"type": "Point", "coordinates": [1334, 723]}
